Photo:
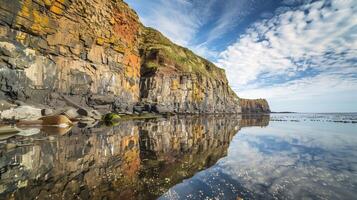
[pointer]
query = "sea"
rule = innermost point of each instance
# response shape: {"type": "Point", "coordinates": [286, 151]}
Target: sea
{"type": "Point", "coordinates": [276, 156]}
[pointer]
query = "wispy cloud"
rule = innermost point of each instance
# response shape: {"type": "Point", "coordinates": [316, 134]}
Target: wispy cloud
{"type": "Point", "coordinates": [176, 19]}
{"type": "Point", "coordinates": [185, 21]}
{"type": "Point", "coordinates": [304, 51]}
{"type": "Point", "coordinates": [233, 12]}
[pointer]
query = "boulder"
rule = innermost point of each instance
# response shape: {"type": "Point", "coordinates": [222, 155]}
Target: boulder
{"type": "Point", "coordinates": [4, 105]}
{"type": "Point", "coordinates": [138, 109]}
{"type": "Point", "coordinates": [71, 113]}
{"type": "Point", "coordinates": [161, 109]}
{"type": "Point", "coordinates": [148, 107]}
{"type": "Point", "coordinates": [22, 113]}
{"type": "Point", "coordinates": [83, 112]}
{"type": "Point", "coordinates": [47, 112]}
{"type": "Point", "coordinates": [57, 120]}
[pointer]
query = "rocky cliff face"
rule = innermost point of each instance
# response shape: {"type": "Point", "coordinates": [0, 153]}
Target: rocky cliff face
{"type": "Point", "coordinates": [176, 80]}
{"type": "Point", "coordinates": [84, 49]}
{"type": "Point", "coordinates": [254, 105]}
{"type": "Point", "coordinates": [97, 54]}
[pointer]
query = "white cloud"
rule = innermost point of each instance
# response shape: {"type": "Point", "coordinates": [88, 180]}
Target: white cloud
{"type": "Point", "coordinates": [233, 12]}
{"type": "Point", "coordinates": [182, 20]}
{"type": "Point", "coordinates": [179, 20]}
{"type": "Point", "coordinates": [312, 38]}
{"type": "Point", "coordinates": [203, 50]}
{"type": "Point", "coordinates": [176, 19]}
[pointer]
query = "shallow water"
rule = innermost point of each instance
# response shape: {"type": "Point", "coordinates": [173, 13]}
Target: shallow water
{"type": "Point", "coordinates": [298, 156]}
{"type": "Point", "coordinates": [282, 156]}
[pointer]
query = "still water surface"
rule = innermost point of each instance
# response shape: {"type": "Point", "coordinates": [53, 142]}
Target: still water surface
{"type": "Point", "coordinates": [282, 156]}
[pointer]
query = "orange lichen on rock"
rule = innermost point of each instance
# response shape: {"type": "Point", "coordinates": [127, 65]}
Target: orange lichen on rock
{"type": "Point", "coordinates": [36, 21]}
{"type": "Point", "coordinates": [41, 22]}
{"type": "Point", "coordinates": [57, 8]}
{"type": "Point", "coordinates": [131, 59]}
{"type": "Point", "coordinates": [126, 27]}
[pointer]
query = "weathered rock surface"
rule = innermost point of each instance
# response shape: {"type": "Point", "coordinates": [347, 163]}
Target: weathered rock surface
{"type": "Point", "coordinates": [254, 105]}
{"type": "Point", "coordinates": [47, 112]}
{"type": "Point", "coordinates": [71, 113]}
{"type": "Point", "coordinates": [174, 79]}
{"type": "Point", "coordinates": [98, 55]}
{"type": "Point", "coordinates": [79, 48]}
{"type": "Point", "coordinates": [22, 113]}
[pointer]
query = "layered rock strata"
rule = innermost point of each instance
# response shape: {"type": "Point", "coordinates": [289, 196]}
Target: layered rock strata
{"type": "Point", "coordinates": [86, 50]}
{"type": "Point", "coordinates": [254, 105]}
{"type": "Point", "coordinates": [97, 54]}
{"type": "Point", "coordinates": [176, 80]}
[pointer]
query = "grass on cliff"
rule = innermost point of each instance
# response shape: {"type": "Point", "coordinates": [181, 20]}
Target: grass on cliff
{"type": "Point", "coordinates": [157, 49]}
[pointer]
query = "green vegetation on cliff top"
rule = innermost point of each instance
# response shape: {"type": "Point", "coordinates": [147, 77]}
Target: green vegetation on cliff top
{"type": "Point", "coordinates": [158, 51]}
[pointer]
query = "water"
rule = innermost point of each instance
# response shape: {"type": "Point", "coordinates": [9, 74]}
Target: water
{"type": "Point", "coordinates": [298, 156]}
{"type": "Point", "coordinates": [282, 156]}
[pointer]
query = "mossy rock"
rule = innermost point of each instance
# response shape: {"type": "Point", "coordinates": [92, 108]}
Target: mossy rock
{"type": "Point", "coordinates": [111, 119]}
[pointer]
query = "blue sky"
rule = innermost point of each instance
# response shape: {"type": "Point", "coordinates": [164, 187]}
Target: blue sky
{"type": "Point", "coordinates": [301, 55]}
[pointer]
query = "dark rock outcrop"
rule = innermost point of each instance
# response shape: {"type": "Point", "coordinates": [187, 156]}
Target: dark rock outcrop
{"type": "Point", "coordinates": [254, 105]}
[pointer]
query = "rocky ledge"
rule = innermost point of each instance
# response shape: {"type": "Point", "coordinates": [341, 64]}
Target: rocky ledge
{"type": "Point", "coordinates": [98, 56]}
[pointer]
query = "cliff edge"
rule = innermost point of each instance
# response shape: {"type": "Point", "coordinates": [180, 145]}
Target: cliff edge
{"type": "Point", "coordinates": [97, 54]}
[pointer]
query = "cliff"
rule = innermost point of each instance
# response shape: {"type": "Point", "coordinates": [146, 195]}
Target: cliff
{"type": "Point", "coordinates": [254, 105]}
{"type": "Point", "coordinates": [179, 81]}
{"type": "Point", "coordinates": [86, 50]}
{"type": "Point", "coordinates": [98, 55]}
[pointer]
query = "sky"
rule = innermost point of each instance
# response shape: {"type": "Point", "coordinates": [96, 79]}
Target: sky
{"type": "Point", "coordinates": [301, 55]}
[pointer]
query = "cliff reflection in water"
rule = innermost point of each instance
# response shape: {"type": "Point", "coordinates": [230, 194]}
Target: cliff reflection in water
{"type": "Point", "coordinates": [134, 160]}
